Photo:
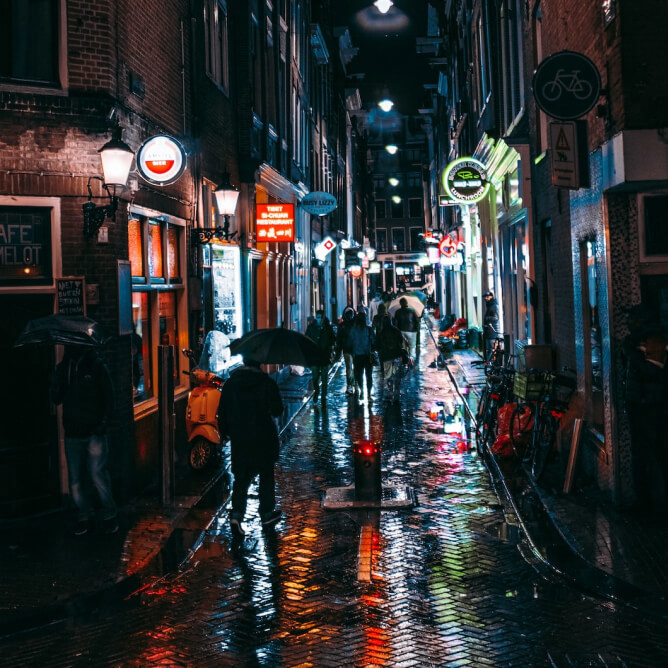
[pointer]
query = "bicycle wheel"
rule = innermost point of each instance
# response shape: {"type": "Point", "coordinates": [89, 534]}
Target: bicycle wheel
{"type": "Point", "coordinates": [582, 90]}
{"type": "Point", "coordinates": [521, 425]}
{"type": "Point", "coordinates": [552, 90]}
{"type": "Point", "coordinates": [489, 421]}
{"type": "Point", "coordinates": [543, 445]}
{"type": "Point", "coordinates": [482, 407]}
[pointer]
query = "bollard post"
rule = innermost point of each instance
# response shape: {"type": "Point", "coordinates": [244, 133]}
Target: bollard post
{"type": "Point", "coordinates": [368, 484]}
{"type": "Point", "coordinates": [166, 420]}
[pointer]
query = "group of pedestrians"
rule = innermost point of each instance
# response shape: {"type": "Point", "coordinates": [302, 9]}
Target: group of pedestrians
{"type": "Point", "coordinates": [386, 341]}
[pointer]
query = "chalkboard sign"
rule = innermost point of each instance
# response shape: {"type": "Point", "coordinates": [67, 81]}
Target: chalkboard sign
{"type": "Point", "coordinates": [71, 295]}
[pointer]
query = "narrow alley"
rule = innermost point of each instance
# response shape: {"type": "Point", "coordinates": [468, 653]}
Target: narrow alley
{"type": "Point", "coordinates": [448, 582]}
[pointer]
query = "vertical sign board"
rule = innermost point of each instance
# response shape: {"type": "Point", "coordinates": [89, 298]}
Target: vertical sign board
{"type": "Point", "coordinates": [125, 323]}
{"type": "Point", "coordinates": [570, 162]}
{"type": "Point", "coordinates": [71, 295]}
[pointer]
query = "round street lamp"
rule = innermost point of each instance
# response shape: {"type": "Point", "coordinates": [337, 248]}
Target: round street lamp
{"type": "Point", "coordinates": [393, 181]}
{"type": "Point", "coordinates": [386, 104]}
{"type": "Point", "coordinates": [391, 148]}
{"type": "Point", "coordinates": [383, 6]}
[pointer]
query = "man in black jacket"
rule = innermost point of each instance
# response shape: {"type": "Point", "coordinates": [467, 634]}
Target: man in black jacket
{"type": "Point", "coordinates": [249, 401]}
{"type": "Point", "coordinates": [321, 331]}
{"type": "Point", "coordinates": [82, 384]}
{"type": "Point", "coordinates": [406, 321]}
{"type": "Point", "coordinates": [490, 322]}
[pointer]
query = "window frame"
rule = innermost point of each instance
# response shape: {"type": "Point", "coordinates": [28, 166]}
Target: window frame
{"type": "Point", "coordinates": [154, 288]}
{"type": "Point", "coordinates": [403, 234]}
{"type": "Point", "coordinates": [382, 232]}
{"type": "Point", "coordinates": [642, 218]}
{"type": "Point", "coordinates": [59, 87]}
{"type": "Point", "coordinates": [216, 44]}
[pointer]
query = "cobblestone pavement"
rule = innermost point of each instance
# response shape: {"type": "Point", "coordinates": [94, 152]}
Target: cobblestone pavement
{"type": "Point", "coordinates": [450, 582]}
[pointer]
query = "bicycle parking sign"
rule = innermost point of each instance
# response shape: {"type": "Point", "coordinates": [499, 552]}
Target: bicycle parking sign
{"type": "Point", "coordinates": [566, 85]}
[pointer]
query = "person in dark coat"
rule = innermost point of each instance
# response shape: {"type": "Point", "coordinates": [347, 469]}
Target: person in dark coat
{"type": "Point", "coordinates": [82, 384]}
{"type": "Point", "coordinates": [249, 402]}
{"type": "Point", "coordinates": [407, 322]}
{"type": "Point", "coordinates": [362, 343]}
{"type": "Point", "coordinates": [343, 346]}
{"type": "Point", "coordinates": [393, 356]}
{"type": "Point", "coordinates": [322, 332]}
{"type": "Point", "coordinates": [490, 322]}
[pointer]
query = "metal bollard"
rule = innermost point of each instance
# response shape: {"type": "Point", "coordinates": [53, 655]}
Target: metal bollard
{"type": "Point", "coordinates": [366, 456]}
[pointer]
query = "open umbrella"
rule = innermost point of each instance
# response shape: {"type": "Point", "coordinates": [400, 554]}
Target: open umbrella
{"type": "Point", "coordinates": [422, 296]}
{"type": "Point", "coordinates": [75, 330]}
{"type": "Point", "coordinates": [279, 346]}
{"type": "Point", "coordinates": [412, 301]}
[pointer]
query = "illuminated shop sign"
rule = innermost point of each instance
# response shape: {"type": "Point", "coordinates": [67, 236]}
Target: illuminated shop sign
{"type": "Point", "coordinates": [374, 267]}
{"type": "Point", "coordinates": [161, 160]}
{"type": "Point", "coordinates": [25, 245]}
{"type": "Point", "coordinates": [448, 246]}
{"type": "Point", "coordinates": [355, 271]}
{"type": "Point", "coordinates": [465, 180]}
{"type": "Point", "coordinates": [275, 222]}
{"type": "Point", "coordinates": [324, 248]}
{"type": "Point", "coordinates": [319, 203]}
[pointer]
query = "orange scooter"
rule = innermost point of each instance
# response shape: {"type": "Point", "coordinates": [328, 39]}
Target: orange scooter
{"type": "Point", "coordinates": [202, 415]}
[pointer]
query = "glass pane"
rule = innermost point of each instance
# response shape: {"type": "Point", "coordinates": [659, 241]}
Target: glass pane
{"type": "Point", "coordinates": [173, 252]}
{"type": "Point", "coordinates": [141, 347]}
{"type": "Point", "coordinates": [135, 247]}
{"type": "Point", "coordinates": [169, 333]}
{"type": "Point", "coordinates": [155, 250]}
{"type": "Point", "coordinates": [398, 239]}
{"type": "Point", "coordinates": [594, 321]}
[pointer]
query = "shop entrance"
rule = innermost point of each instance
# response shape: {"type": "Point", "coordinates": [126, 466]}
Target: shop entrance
{"type": "Point", "coordinates": [29, 457]}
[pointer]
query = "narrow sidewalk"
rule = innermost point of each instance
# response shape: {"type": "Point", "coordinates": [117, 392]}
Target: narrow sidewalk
{"type": "Point", "coordinates": [627, 550]}
{"type": "Point", "coordinates": [48, 574]}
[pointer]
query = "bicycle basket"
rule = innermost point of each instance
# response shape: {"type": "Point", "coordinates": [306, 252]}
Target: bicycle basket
{"type": "Point", "coordinates": [532, 386]}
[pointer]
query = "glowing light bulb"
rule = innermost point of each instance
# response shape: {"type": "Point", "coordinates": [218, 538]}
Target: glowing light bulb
{"type": "Point", "coordinates": [396, 199]}
{"type": "Point", "coordinates": [391, 148]}
{"type": "Point", "coordinates": [393, 182]}
{"type": "Point", "coordinates": [383, 6]}
{"type": "Point", "coordinates": [386, 104]}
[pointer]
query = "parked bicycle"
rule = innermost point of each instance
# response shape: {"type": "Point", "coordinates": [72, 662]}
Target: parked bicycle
{"type": "Point", "coordinates": [544, 398]}
{"type": "Point", "coordinates": [497, 391]}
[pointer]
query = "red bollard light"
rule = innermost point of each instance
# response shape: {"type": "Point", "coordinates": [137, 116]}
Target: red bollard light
{"type": "Point", "coordinates": [366, 456]}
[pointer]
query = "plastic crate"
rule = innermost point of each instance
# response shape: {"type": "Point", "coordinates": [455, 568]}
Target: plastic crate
{"type": "Point", "coordinates": [532, 386]}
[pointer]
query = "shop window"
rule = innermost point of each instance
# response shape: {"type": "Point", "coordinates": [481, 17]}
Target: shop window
{"type": "Point", "coordinates": [155, 249]}
{"type": "Point", "coordinates": [593, 319]}
{"type": "Point", "coordinates": [29, 42]}
{"type": "Point", "coordinates": [381, 241]}
{"type": "Point", "coordinates": [141, 357]}
{"type": "Point", "coordinates": [381, 211]}
{"type": "Point", "coordinates": [415, 207]}
{"type": "Point", "coordinates": [398, 239]}
{"type": "Point", "coordinates": [135, 247]}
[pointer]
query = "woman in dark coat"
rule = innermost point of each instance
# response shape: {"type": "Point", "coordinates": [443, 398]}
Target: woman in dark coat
{"type": "Point", "coordinates": [362, 342]}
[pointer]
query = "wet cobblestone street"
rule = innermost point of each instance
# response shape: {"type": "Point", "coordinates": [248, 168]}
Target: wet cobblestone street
{"type": "Point", "coordinates": [449, 582]}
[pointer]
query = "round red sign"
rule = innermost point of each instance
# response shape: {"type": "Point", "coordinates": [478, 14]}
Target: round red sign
{"type": "Point", "coordinates": [161, 159]}
{"type": "Point", "coordinates": [448, 246]}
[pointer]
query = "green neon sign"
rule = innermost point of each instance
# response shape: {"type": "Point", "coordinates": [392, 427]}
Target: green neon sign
{"type": "Point", "coordinates": [465, 180]}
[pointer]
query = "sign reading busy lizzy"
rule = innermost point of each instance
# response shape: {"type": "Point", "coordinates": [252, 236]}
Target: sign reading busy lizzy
{"type": "Point", "coordinates": [275, 222]}
{"type": "Point", "coordinates": [465, 180]}
{"type": "Point", "coordinates": [161, 160]}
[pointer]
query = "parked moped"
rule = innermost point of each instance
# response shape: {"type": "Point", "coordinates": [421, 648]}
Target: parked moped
{"type": "Point", "coordinates": [204, 442]}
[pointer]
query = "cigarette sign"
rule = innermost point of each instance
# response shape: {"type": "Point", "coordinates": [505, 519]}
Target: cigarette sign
{"type": "Point", "coordinates": [275, 222]}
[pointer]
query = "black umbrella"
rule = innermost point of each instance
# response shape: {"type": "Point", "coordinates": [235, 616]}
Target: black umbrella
{"type": "Point", "coordinates": [280, 346]}
{"type": "Point", "coordinates": [75, 330]}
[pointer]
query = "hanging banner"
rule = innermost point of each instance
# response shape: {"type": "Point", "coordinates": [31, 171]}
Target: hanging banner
{"type": "Point", "coordinates": [319, 203]}
{"type": "Point", "coordinates": [275, 222]}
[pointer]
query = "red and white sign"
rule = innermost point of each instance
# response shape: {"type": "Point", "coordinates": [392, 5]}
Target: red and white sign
{"type": "Point", "coordinates": [355, 271]}
{"type": "Point", "coordinates": [448, 246]}
{"type": "Point", "coordinates": [324, 248]}
{"type": "Point", "coordinates": [161, 159]}
{"type": "Point", "coordinates": [275, 222]}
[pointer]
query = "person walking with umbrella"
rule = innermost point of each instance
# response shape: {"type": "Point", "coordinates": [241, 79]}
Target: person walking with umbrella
{"type": "Point", "coordinates": [321, 332]}
{"type": "Point", "coordinates": [82, 384]}
{"type": "Point", "coordinates": [249, 401]}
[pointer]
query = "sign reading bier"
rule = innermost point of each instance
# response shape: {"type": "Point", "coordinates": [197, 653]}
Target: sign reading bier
{"type": "Point", "coordinates": [275, 222]}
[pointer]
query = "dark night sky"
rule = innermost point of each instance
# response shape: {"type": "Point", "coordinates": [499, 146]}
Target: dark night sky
{"type": "Point", "coordinates": [387, 54]}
